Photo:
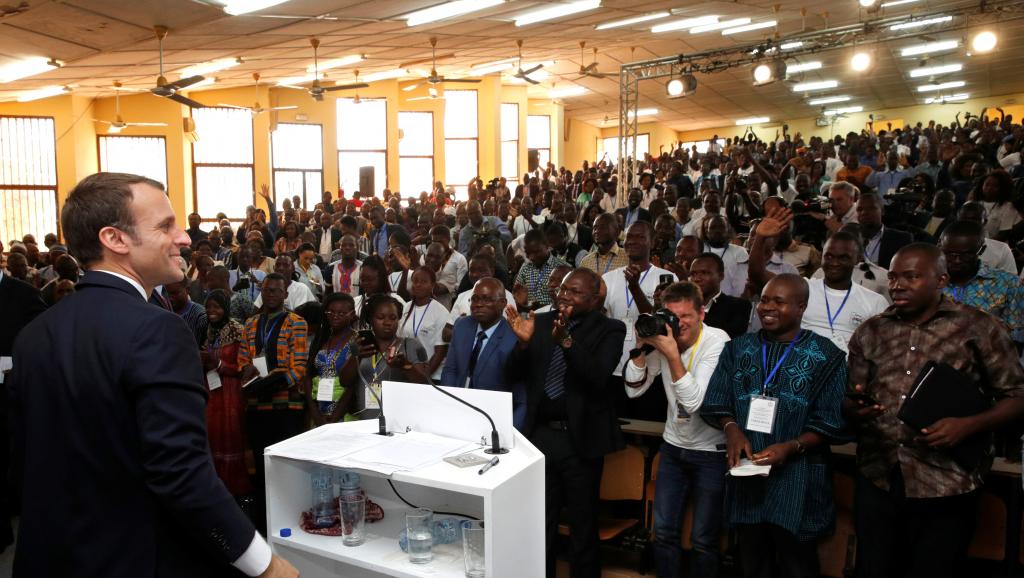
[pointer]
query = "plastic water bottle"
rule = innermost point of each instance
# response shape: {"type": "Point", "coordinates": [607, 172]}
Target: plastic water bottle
{"type": "Point", "coordinates": [348, 483]}
{"type": "Point", "coordinates": [325, 506]}
{"type": "Point", "coordinates": [445, 531]}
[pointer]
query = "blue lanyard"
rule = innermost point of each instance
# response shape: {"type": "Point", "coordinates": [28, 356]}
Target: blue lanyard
{"type": "Point", "coordinates": [412, 313]}
{"type": "Point", "coordinates": [537, 281]}
{"type": "Point", "coordinates": [958, 293]}
{"type": "Point", "coordinates": [873, 250]}
{"type": "Point", "coordinates": [631, 216]}
{"type": "Point", "coordinates": [764, 360]}
{"type": "Point", "coordinates": [611, 258]}
{"type": "Point", "coordinates": [828, 308]}
{"type": "Point", "coordinates": [629, 296]}
{"type": "Point", "coordinates": [273, 325]}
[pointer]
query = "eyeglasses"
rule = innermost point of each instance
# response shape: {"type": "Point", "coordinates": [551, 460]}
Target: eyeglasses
{"type": "Point", "coordinates": [483, 300]}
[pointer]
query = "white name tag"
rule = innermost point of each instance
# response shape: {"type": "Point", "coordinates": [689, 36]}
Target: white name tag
{"type": "Point", "coordinates": [761, 417]}
{"type": "Point", "coordinates": [260, 363]}
{"type": "Point", "coordinates": [6, 364]}
{"type": "Point", "coordinates": [325, 389]}
{"type": "Point", "coordinates": [371, 402]}
{"type": "Point", "coordinates": [213, 380]}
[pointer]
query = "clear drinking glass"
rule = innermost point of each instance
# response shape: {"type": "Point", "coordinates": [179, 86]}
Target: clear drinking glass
{"type": "Point", "coordinates": [353, 519]}
{"type": "Point", "coordinates": [473, 548]}
{"type": "Point", "coordinates": [419, 527]}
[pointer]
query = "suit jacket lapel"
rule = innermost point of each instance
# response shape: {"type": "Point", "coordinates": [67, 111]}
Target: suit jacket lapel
{"type": "Point", "coordinates": [491, 345]}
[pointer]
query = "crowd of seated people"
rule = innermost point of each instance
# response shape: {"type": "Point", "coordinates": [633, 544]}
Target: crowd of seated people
{"type": "Point", "coordinates": [797, 285]}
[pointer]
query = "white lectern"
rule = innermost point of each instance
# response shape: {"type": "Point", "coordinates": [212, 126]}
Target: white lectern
{"type": "Point", "coordinates": [509, 497]}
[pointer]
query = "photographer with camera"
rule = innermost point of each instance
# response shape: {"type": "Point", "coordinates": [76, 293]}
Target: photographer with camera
{"type": "Point", "coordinates": [679, 346]}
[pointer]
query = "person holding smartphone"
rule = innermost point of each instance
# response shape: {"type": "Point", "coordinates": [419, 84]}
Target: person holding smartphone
{"type": "Point", "coordinates": [383, 355]}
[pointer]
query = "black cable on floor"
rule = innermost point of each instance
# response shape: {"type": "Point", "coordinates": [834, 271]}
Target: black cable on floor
{"type": "Point", "coordinates": [411, 505]}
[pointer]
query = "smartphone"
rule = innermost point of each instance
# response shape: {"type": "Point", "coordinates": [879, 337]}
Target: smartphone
{"type": "Point", "coordinates": [663, 279]}
{"type": "Point", "coordinates": [366, 336]}
{"type": "Point", "coordinates": [862, 397]}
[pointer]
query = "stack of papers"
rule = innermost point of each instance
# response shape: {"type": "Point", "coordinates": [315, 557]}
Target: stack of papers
{"type": "Point", "coordinates": [332, 446]}
{"type": "Point", "coordinates": [749, 468]}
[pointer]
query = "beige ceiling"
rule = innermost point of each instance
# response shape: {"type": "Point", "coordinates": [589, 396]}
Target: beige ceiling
{"type": "Point", "coordinates": [106, 40]}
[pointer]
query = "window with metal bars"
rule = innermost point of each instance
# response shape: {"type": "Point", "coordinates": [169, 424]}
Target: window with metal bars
{"type": "Point", "coordinates": [28, 177]}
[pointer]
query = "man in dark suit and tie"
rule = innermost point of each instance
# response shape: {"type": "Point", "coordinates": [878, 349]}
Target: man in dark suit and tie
{"type": "Point", "coordinates": [20, 303]}
{"type": "Point", "coordinates": [108, 412]}
{"type": "Point", "coordinates": [325, 238]}
{"type": "Point", "coordinates": [633, 212]}
{"type": "Point", "coordinates": [725, 312]}
{"type": "Point", "coordinates": [880, 242]}
{"type": "Point", "coordinates": [567, 358]}
{"type": "Point", "coordinates": [480, 346]}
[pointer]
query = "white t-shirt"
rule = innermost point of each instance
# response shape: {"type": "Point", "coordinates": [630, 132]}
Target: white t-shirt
{"type": "Point", "coordinates": [452, 272]}
{"type": "Point", "coordinates": [736, 275]}
{"type": "Point", "coordinates": [461, 306]}
{"type": "Point", "coordinates": [1000, 218]}
{"type": "Point", "coordinates": [395, 278]}
{"type": "Point", "coordinates": [360, 298]}
{"type": "Point", "coordinates": [353, 278]}
{"type": "Point", "coordinates": [425, 324]}
{"type": "Point", "coordinates": [732, 255]}
{"type": "Point", "coordinates": [879, 284]}
{"type": "Point", "coordinates": [998, 255]}
{"type": "Point", "coordinates": [683, 427]}
{"type": "Point", "coordinates": [298, 295]}
{"type": "Point", "coordinates": [861, 305]}
{"type": "Point", "coordinates": [520, 226]}
{"type": "Point", "coordinates": [619, 302]}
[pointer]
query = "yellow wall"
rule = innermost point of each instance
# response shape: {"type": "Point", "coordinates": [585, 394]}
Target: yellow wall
{"type": "Point", "coordinates": [582, 143]}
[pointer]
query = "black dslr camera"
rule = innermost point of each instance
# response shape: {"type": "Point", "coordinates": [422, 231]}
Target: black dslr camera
{"type": "Point", "coordinates": [651, 324]}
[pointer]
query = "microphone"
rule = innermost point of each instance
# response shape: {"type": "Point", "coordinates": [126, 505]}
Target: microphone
{"type": "Point", "coordinates": [495, 443]}
{"type": "Point", "coordinates": [382, 423]}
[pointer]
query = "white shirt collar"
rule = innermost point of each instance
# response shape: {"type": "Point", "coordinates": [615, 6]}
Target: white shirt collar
{"type": "Point", "coordinates": [134, 283]}
{"type": "Point", "coordinates": [711, 302]}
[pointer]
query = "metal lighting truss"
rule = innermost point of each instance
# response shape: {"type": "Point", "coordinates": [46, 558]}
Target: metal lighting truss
{"type": "Point", "coordinates": [862, 34]}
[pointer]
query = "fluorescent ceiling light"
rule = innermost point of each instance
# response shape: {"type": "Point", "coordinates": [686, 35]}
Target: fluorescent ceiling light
{"type": "Point", "coordinates": [752, 120]}
{"type": "Point", "coordinates": [936, 70]}
{"type": "Point", "coordinates": [557, 11]}
{"type": "Point", "coordinates": [828, 100]}
{"type": "Point", "coordinates": [482, 70]}
{"type": "Point", "coordinates": [449, 10]}
{"type": "Point", "coordinates": [237, 7]}
{"type": "Point", "coordinates": [684, 24]}
{"type": "Point", "coordinates": [720, 25]}
{"type": "Point", "coordinates": [920, 23]}
{"type": "Point", "coordinates": [495, 63]}
{"type": "Point", "coordinates": [896, 3]}
{"type": "Point", "coordinates": [940, 46]}
{"type": "Point", "coordinates": [567, 92]}
{"type": "Point", "coordinates": [25, 68]}
{"type": "Point", "coordinates": [41, 93]}
{"type": "Point", "coordinates": [791, 45]}
{"type": "Point", "coordinates": [943, 86]}
{"type": "Point", "coordinates": [336, 63]}
{"type": "Point", "coordinates": [844, 110]}
{"type": "Point", "coordinates": [820, 85]}
{"type": "Point", "coordinates": [645, 112]}
{"type": "Point", "coordinates": [803, 67]}
{"type": "Point", "coordinates": [949, 98]}
{"type": "Point", "coordinates": [634, 20]}
{"type": "Point", "coordinates": [749, 27]}
{"type": "Point", "coordinates": [207, 67]}
{"type": "Point", "coordinates": [204, 82]}
{"type": "Point", "coordinates": [385, 75]}
{"type": "Point", "coordinates": [296, 79]}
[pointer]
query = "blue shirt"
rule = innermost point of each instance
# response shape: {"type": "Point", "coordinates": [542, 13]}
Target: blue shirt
{"type": "Point", "coordinates": [882, 181]}
{"type": "Point", "coordinates": [380, 240]}
{"type": "Point", "coordinates": [997, 293]}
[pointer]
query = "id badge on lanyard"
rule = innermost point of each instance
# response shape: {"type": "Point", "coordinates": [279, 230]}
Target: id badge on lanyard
{"type": "Point", "coordinates": [763, 408]}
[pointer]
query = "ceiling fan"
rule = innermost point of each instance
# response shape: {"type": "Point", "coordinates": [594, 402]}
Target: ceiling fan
{"type": "Point", "coordinates": [257, 108]}
{"type": "Point", "coordinates": [118, 124]}
{"type": "Point", "coordinates": [525, 74]}
{"type": "Point", "coordinates": [590, 69]}
{"type": "Point", "coordinates": [434, 77]}
{"type": "Point", "coordinates": [316, 90]}
{"type": "Point", "coordinates": [432, 94]}
{"type": "Point", "coordinates": [170, 89]}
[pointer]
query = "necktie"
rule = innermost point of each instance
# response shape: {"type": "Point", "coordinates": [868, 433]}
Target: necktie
{"type": "Point", "coordinates": [477, 347]}
{"type": "Point", "coordinates": [554, 385]}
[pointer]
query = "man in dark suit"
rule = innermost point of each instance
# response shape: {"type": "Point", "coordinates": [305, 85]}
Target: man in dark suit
{"type": "Point", "coordinates": [880, 242]}
{"type": "Point", "coordinates": [728, 313]}
{"type": "Point", "coordinates": [325, 238]}
{"type": "Point", "coordinates": [20, 303]}
{"type": "Point", "coordinates": [125, 485]}
{"type": "Point", "coordinates": [567, 358]}
{"type": "Point", "coordinates": [633, 212]}
{"type": "Point", "coordinates": [481, 343]}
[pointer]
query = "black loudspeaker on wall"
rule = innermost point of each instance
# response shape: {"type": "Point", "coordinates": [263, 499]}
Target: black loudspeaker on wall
{"type": "Point", "coordinates": [532, 159]}
{"type": "Point", "coordinates": [366, 187]}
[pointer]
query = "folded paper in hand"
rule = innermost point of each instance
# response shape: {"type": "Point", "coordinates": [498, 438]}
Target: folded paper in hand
{"type": "Point", "coordinates": [748, 468]}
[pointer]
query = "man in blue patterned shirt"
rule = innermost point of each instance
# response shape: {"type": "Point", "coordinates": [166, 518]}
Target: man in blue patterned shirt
{"type": "Point", "coordinates": [777, 395]}
{"type": "Point", "coordinates": [534, 273]}
{"type": "Point", "coordinates": [973, 283]}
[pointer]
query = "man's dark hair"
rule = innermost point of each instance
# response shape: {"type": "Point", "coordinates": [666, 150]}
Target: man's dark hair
{"type": "Point", "coordinates": [480, 257]}
{"type": "Point", "coordinates": [592, 277]}
{"type": "Point", "coordinates": [400, 236]}
{"type": "Point", "coordinates": [535, 236]}
{"type": "Point", "coordinates": [719, 263]}
{"type": "Point", "coordinates": [98, 201]}
{"type": "Point", "coordinates": [847, 236]}
{"type": "Point", "coordinates": [683, 291]}
{"type": "Point", "coordinates": [964, 229]}
{"type": "Point", "coordinates": [273, 277]}
{"type": "Point", "coordinates": [202, 242]}
{"type": "Point", "coordinates": [348, 221]}
{"type": "Point", "coordinates": [218, 271]}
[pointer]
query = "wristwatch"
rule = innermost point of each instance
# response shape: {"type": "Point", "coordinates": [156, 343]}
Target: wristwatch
{"type": "Point", "coordinates": [800, 448]}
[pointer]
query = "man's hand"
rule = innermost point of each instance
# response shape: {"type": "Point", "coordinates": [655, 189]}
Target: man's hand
{"type": "Point", "coordinates": [859, 410]}
{"type": "Point", "coordinates": [248, 373]}
{"type": "Point", "coordinates": [775, 454]}
{"type": "Point", "coordinates": [736, 444]}
{"type": "Point", "coordinates": [632, 274]}
{"type": "Point", "coordinates": [948, 432]}
{"type": "Point", "coordinates": [264, 192]}
{"type": "Point", "coordinates": [559, 329]}
{"type": "Point", "coordinates": [663, 344]}
{"type": "Point", "coordinates": [775, 222]}
{"type": "Point", "coordinates": [523, 328]}
{"type": "Point", "coordinates": [279, 568]}
{"type": "Point", "coordinates": [521, 295]}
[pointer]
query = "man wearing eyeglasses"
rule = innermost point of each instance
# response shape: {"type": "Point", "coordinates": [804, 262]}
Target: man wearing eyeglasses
{"type": "Point", "coordinates": [481, 342]}
{"type": "Point", "coordinates": [973, 283]}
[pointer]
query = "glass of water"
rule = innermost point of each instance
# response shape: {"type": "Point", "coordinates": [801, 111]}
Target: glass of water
{"type": "Point", "coordinates": [353, 519]}
{"type": "Point", "coordinates": [473, 548]}
{"type": "Point", "coordinates": [419, 527]}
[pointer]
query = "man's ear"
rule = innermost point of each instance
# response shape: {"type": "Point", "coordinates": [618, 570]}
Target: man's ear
{"type": "Point", "coordinates": [115, 240]}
